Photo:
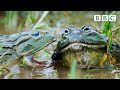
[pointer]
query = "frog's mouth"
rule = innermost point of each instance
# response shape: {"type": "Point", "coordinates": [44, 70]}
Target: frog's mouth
{"type": "Point", "coordinates": [75, 46]}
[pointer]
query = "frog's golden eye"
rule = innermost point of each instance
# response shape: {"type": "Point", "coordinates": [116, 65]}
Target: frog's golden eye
{"type": "Point", "coordinates": [66, 31]}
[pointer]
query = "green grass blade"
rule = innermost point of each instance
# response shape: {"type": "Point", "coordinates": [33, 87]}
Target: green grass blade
{"type": "Point", "coordinates": [40, 20]}
{"type": "Point", "coordinates": [73, 70]}
{"type": "Point", "coordinates": [109, 41]}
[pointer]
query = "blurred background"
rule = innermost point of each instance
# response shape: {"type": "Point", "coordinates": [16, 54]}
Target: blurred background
{"type": "Point", "coordinates": [17, 21]}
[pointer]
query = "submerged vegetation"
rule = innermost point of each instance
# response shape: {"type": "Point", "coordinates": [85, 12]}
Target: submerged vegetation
{"type": "Point", "coordinates": [107, 30]}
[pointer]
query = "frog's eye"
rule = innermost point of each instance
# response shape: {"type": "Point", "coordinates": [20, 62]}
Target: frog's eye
{"type": "Point", "coordinates": [36, 35]}
{"type": "Point", "coordinates": [85, 28]}
{"type": "Point", "coordinates": [66, 31]}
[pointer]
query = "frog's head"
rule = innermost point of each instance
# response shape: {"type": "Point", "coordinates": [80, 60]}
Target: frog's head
{"type": "Point", "coordinates": [34, 42]}
{"type": "Point", "coordinates": [83, 44]}
{"type": "Point", "coordinates": [86, 46]}
{"type": "Point", "coordinates": [84, 36]}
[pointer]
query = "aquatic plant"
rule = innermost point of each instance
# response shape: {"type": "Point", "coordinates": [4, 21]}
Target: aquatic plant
{"type": "Point", "coordinates": [37, 25]}
{"type": "Point", "coordinates": [107, 28]}
{"type": "Point", "coordinates": [73, 69]}
{"type": "Point", "coordinates": [31, 19]}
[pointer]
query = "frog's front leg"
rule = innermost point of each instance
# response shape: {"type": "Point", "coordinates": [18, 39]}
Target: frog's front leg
{"type": "Point", "coordinates": [26, 61]}
{"type": "Point", "coordinates": [30, 62]}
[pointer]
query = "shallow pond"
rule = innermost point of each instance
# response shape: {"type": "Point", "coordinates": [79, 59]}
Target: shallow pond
{"type": "Point", "coordinates": [50, 70]}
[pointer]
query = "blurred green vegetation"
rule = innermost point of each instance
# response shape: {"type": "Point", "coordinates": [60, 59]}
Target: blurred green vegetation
{"type": "Point", "coordinates": [73, 69]}
{"type": "Point", "coordinates": [22, 20]}
{"type": "Point", "coordinates": [10, 19]}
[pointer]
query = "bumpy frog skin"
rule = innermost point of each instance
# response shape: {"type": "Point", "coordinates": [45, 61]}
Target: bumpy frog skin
{"type": "Point", "coordinates": [15, 46]}
{"type": "Point", "coordinates": [85, 45]}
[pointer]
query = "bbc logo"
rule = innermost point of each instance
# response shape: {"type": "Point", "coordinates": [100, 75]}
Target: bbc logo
{"type": "Point", "coordinates": [104, 17]}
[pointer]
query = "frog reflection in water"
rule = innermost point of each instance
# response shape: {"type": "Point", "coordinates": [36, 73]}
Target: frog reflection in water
{"type": "Point", "coordinates": [86, 46]}
{"type": "Point", "coordinates": [16, 46]}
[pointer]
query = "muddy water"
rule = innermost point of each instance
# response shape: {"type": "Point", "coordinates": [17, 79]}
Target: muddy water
{"type": "Point", "coordinates": [50, 70]}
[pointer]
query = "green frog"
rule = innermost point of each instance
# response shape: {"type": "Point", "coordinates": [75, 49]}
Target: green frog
{"type": "Point", "coordinates": [20, 45]}
{"type": "Point", "coordinates": [87, 47]}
